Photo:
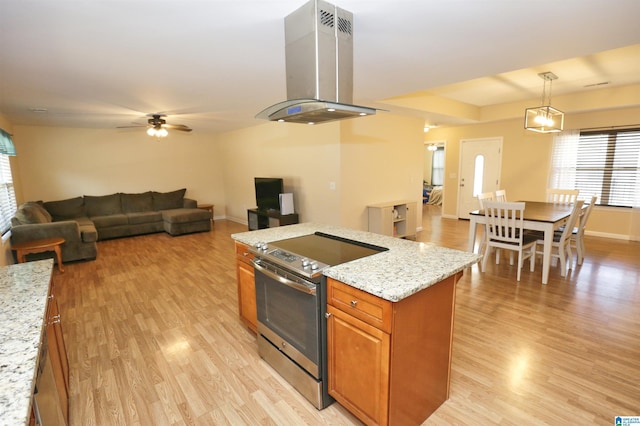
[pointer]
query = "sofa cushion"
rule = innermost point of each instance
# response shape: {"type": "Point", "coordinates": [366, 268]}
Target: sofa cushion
{"type": "Point", "coordinates": [88, 232]}
{"type": "Point", "coordinates": [66, 209]}
{"type": "Point", "coordinates": [110, 220]}
{"type": "Point", "coordinates": [168, 200]}
{"type": "Point", "coordinates": [31, 212]}
{"type": "Point", "coordinates": [144, 217]}
{"type": "Point", "coordinates": [134, 203]}
{"type": "Point", "coordinates": [185, 215]}
{"type": "Point", "coordinates": [102, 205]}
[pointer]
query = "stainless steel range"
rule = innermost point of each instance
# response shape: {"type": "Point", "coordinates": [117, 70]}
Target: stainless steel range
{"type": "Point", "coordinates": [291, 302]}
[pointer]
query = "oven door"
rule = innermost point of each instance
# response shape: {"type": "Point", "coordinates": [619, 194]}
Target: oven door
{"type": "Point", "coordinates": [289, 314]}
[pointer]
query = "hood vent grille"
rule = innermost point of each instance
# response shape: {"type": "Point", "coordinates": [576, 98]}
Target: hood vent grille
{"type": "Point", "coordinates": [319, 63]}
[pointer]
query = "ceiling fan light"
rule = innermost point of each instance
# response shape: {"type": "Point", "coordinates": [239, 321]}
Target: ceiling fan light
{"type": "Point", "coordinates": [151, 131]}
{"type": "Point", "coordinates": [162, 133]}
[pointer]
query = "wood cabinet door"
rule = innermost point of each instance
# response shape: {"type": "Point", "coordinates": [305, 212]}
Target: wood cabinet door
{"type": "Point", "coordinates": [411, 217]}
{"type": "Point", "coordinates": [247, 295]}
{"type": "Point", "coordinates": [358, 361]}
{"type": "Point", "coordinates": [58, 355]}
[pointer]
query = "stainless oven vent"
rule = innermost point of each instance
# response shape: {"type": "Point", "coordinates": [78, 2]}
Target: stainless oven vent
{"type": "Point", "coordinates": [319, 64]}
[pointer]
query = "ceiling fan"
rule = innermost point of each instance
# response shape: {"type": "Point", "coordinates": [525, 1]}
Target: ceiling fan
{"type": "Point", "coordinates": [157, 126]}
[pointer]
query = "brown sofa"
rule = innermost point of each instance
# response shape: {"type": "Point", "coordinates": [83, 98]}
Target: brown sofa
{"type": "Point", "coordinates": [82, 221]}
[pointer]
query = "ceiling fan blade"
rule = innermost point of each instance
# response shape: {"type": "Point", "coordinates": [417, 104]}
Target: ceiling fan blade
{"type": "Point", "coordinates": [130, 127]}
{"type": "Point", "coordinates": [180, 127]}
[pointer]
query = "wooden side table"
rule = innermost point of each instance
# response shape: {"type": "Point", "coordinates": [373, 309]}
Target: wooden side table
{"type": "Point", "coordinates": [39, 246]}
{"type": "Point", "coordinates": [208, 207]}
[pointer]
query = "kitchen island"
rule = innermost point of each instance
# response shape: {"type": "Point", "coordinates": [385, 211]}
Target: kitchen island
{"type": "Point", "coordinates": [389, 321]}
{"type": "Point", "coordinates": [406, 268]}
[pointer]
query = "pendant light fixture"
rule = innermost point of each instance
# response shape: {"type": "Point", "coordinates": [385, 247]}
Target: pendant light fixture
{"type": "Point", "coordinates": [544, 118]}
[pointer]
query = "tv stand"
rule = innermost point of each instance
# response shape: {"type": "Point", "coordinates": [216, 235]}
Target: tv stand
{"type": "Point", "coordinates": [261, 219]}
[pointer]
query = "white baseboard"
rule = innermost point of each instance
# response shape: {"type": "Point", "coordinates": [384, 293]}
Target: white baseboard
{"type": "Point", "coordinates": [608, 235]}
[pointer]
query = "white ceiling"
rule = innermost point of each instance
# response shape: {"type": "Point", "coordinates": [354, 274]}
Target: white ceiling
{"type": "Point", "coordinates": [214, 64]}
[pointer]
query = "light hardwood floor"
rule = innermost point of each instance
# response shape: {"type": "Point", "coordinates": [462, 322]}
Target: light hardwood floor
{"type": "Point", "coordinates": [153, 337]}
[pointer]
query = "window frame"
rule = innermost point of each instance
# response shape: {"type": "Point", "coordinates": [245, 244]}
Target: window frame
{"type": "Point", "coordinates": [604, 162]}
{"type": "Point", "coordinates": [8, 204]}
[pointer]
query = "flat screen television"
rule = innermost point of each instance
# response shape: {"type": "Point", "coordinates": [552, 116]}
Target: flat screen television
{"type": "Point", "coordinates": [268, 192]}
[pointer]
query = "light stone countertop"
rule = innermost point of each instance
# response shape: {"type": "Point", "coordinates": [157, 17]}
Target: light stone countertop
{"type": "Point", "coordinates": [406, 268]}
{"type": "Point", "coordinates": [23, 299]}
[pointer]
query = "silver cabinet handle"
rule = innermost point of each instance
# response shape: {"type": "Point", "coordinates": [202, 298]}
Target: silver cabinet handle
{"type": "Point", "coordinates": [327, 314]}
{"type": "Point", "coordinates": [354, 303]}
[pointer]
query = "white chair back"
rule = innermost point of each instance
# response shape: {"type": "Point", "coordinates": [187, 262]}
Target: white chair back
{"type": "Point", "coordinates": [485, 196]}
{"type": "Point", "coordinates": [577, 236]}
{"type": "Point", "coordinates": [504, 228]}
{"type": "Point", "coordinates": [562, 196]}
{"type": "Point", "coordinates": [501, 195]}
{"type": "Point", "coordinates": [504, 221]}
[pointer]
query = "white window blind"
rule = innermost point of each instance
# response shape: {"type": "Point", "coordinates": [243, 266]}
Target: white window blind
{"type": "Point", "coordinates": [437, 167]}
{"type": "Point", "coordinates": [7, 195]}
{"type": "Point", "coordinates": [605, 163]}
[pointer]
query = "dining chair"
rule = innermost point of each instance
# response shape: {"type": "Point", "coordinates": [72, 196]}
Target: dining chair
{"type": "Point", "coordinates": [504, 228]}
{"type": "Point", "coordinates": [501, 195]}
{"type": "Point", "coordinates": [562, 196]}
{"type": "Point", "coordinates": [561, 246]}
{"type": "Point", "coordinates": [577, 234]}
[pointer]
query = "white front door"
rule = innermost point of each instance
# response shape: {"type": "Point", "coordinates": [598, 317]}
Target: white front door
{"type": "Point", "coordinates": [480, 162]}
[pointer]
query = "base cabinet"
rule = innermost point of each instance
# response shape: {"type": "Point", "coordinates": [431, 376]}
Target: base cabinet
{"type": "Point", "coordinates": [246, 287]}
{"type": "Point", "coordinates": [390, 362]}
{"type": "Point", "coordinates": [358, 355]}
{"type": "Point", "coordinates": [395, 219]}
{"type": "Point", "coordinates": [51, 397]}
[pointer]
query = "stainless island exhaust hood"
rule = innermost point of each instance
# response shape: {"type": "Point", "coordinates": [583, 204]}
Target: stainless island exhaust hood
{"type": "Point", "coordinates": [319, 62]}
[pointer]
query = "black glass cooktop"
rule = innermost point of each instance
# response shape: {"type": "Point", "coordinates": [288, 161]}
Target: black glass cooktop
{"type": "Point", "coordinates": [328, 249]}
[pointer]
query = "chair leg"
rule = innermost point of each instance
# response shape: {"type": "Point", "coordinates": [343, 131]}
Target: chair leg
{"type": "Point", "coordinates": [563, 262]}
{"type": "Point", "coordinates": [580, 250]}
{"type": "Point", "coordinates": [485, 258]}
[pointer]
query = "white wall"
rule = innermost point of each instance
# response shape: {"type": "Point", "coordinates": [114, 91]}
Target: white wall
{"type": "Point", "coordinates": [57, 163]}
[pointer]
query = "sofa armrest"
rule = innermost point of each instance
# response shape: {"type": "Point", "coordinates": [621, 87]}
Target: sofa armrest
{"type": "Point", "coordinates": [188, 203]}
{"type": "Point", "coordinates": [67, 229]}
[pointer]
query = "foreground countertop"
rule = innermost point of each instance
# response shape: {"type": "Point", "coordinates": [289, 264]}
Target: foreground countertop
{"type": "Point", "coordinates": [405, 269]}
{"type": "Point", "coordinates": [23, 299]}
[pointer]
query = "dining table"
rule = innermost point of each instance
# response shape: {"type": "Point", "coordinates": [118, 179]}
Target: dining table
{"type": "Point", "coordinates": [538, 216]}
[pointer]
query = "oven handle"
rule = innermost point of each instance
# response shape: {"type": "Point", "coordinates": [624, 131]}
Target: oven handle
{"type": "Point", "coordinates": [294, 285]}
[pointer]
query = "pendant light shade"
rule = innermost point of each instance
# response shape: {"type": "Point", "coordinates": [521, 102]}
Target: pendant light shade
{"type": "Point", "coordinates": [544, 118]}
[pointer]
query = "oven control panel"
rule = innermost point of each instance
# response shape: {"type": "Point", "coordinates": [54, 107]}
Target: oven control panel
{"type": "Point", "coordinates": [289, 260]}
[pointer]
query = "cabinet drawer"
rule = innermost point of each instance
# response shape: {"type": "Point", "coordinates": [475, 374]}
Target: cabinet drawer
{"type": "Point", "coordinates": [360, 304]}
{"type": "Point", "coordinates": [242, 252]}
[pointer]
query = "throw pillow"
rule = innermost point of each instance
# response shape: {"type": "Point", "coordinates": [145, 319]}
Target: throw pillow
{"type": "Point", "coordinates": [31, 212]}
{"type": "Point", "coordinates": [168, 200]}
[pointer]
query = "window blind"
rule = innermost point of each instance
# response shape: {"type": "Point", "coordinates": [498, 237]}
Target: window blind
{"type": "Point", "coordinates": [605, 163]}
{"type": "Point", "coordinates": [7, 195]}
{"type": "Point", "coordinates": [437, 167]}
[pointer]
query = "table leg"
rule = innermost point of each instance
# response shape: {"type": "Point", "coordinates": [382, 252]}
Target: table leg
{"type": "Point", "coordinates": [20, 256]}
{"type": "Point", "coordinates": [546, 256]}
{"type": "Point", "coordinates": [59, 258]}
